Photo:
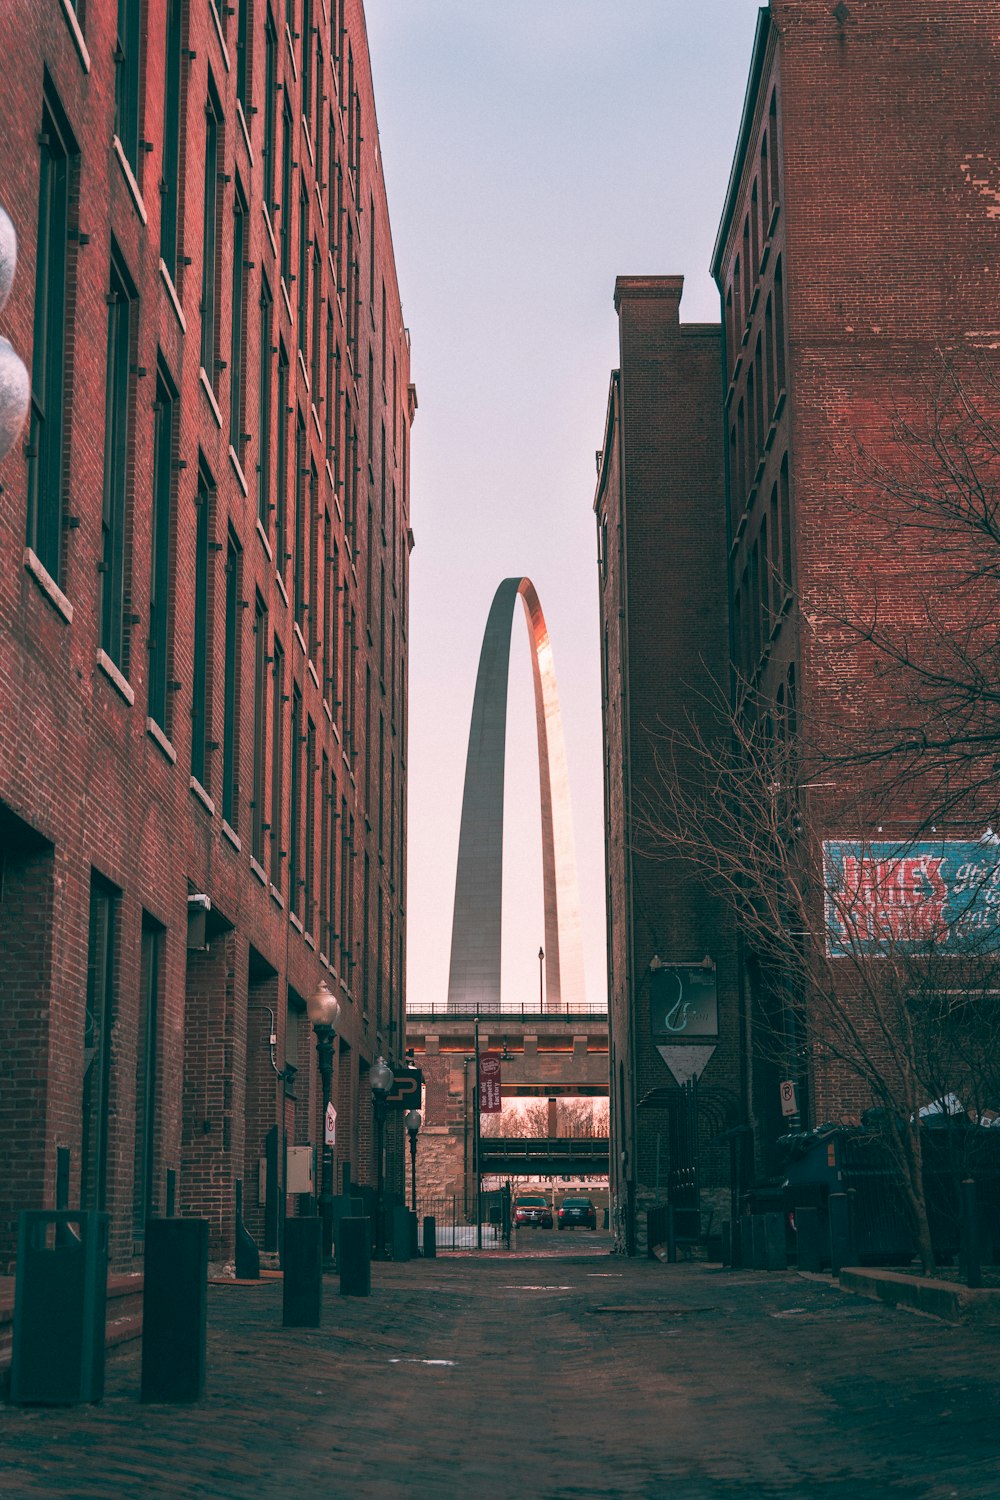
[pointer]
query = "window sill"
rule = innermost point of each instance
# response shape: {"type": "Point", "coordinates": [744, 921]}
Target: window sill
{"type": "Point", "coordinates": [313, 674]}
{"type": "Point", "coordinates": [243, 127]}
{"type": "Point", "coordinates": [258, 870]}
{"type": "Point", "coordinates": [264, 541]}
{"type": "Point", "coordinates": [299, 637]}
{"type": "Point", "coordinates": [238, 470]}
{"type": "Point", "coordinates": [202, 796]}
{"type": "Point", "coordinates": [285, 298]}
{"type": "Point", "coordinates": [130, 178]}
{"type": "Point", "coordinates": [69, 15]}
{"type": "Point", "coordinates": [160, 741]}
{"type": "Point", "coordinates": [206, 386]}
{"type": "Point", "coordinates": [277, 897]}
{"type": "Point", "coordinates": [175, 301]}
{"type": "Point", "coordinates": [295, 921]}
{"type": "Point", "coordinates": [270, 230]}
{"type": "Point", "coordinates": [291, 53]}
{"type": "Point", "coordinates": [305, 372]}
{"type": "Point", "coordinates": [48, 585]}
{"type": "Point", "coordinates": [309, 940]}
{"type": "Point", "coordinates": [117, 679]}
{"type": "Point", "coordinates": [281, 586]}
{"type": "Point", "coordinates": [315, 417]}
{"type": "Point", "coordinates": [218, 31]}
{"type": "Point", "coordinates": [231, 836]}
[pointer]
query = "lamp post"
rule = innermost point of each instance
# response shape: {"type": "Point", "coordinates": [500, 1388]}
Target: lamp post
{"type": "Point", "coordinates": [541, 980]}
{"type": "Point", "coordinates": [413, 1120]}
{"type": "Point", "coordinates": [478, 1141]}
{"type": "Point", "coordinates": [381, 1079]}
{"type": "Point", "coordinates": [324, 1012]}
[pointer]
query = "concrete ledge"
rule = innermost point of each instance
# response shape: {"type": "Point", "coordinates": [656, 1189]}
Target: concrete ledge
{"type": "Point", "coordinates": [941, 1299]}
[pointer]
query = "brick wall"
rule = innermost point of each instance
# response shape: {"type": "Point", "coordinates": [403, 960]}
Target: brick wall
{"type": "Point", "coordinates": [82, 765]}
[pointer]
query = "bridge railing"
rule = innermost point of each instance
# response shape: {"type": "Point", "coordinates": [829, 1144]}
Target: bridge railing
{"type": "Point", "coordinates": [527, 1012]}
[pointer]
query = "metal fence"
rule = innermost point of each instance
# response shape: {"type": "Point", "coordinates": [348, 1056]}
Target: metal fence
{"type": "Point", "coordinates": [456, 1230]}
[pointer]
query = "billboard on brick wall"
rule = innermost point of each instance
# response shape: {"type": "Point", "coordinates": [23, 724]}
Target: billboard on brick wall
{"type": "Point", "coordinates": [942, 896]}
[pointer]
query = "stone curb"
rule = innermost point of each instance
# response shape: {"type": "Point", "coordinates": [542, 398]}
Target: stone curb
{"type": "Point", "coordinates": [979, 1307]}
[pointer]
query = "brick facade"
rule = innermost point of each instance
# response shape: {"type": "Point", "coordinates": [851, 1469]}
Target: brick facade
{"type": "Point", "coordinates": [659, 509]}
{"type": "Point", "coordinates": [217, 555]}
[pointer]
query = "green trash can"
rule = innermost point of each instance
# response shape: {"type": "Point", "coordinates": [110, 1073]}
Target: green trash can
{"type": "Point", "coordinates": [60, 1300]}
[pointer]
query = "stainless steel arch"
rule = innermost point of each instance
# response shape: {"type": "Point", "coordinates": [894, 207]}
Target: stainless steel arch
{"type": "Point", "coordinates": [474, 981]}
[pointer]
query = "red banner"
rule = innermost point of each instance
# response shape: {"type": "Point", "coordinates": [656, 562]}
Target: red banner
{"type": "Point", "coordinates": [489, 1084]}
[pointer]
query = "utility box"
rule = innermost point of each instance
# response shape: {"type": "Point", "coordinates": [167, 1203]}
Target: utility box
{"type": "Point", "coordinates": [60, 1302]}
{"type": "Point", "coordinates": [300, 1170]}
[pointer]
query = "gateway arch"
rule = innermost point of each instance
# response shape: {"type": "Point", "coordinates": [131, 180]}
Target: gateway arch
{"type": "Point", "coordinates": [474, 980]}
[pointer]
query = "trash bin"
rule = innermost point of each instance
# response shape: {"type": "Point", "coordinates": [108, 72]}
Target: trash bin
{"type": "Point", "coordinates": [60, 1300]}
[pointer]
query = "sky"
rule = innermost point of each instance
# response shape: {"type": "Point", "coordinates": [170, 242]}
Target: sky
{"type": "Point", "coordinates": [533, 150]}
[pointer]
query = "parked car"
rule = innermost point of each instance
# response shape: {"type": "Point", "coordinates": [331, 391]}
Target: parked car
{"type": "Point", "coordinates": [576, 1211]}
{"type": "Point", "coordinates": [533, 1210]}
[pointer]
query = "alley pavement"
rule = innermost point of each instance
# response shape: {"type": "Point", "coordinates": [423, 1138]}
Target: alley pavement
{"type": "Point", "coordinates": [559, 1370]}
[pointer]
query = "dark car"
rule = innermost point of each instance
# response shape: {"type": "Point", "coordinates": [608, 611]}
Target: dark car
{"type": "Point", "coordinates": [533, 1210]}
{"type": "Point", "coordinates": [576, 1211]}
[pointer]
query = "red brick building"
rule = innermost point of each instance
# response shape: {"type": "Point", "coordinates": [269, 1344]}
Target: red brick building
{"type": "Point", "coordinates": [857, 241]}
{"type": "Point", "coordinates": [661, 549]}
{"type": "Point", "coordinates": [857, 244]}
{"type": "Point", "coordinates": [203, 604]}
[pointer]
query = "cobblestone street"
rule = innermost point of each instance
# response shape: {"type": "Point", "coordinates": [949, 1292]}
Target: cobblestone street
{"type": "Point", "coordinates": [560, 1371]}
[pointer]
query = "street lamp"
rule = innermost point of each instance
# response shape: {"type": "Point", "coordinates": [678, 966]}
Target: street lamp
{"type": "Point", "coordinates": [541, 980]}
{"type": "Point", "coordinates": [381, 1079]}
{"type": "Point", "coordinates": [324, 1012]}
{"type": "Point", "coordinates": [413, 1120]}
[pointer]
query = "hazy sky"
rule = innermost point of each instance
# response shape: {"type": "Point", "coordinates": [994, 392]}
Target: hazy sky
{"type": "Point", "coordinates": [533, 150]}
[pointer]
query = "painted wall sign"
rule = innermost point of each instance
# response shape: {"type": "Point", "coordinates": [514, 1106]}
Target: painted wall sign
{"type": "Point", "coordinates": [942, 896]}
{"type": "Point", "coordinates": [683, 1001]}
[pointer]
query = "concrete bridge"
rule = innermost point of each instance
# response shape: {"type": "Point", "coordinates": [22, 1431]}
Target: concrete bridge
{"type": "Point", "coordinates": [544, 1055]}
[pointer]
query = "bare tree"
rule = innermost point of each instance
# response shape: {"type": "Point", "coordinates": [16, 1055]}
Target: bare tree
{"type": "Point", "coordinates": [866, 974]}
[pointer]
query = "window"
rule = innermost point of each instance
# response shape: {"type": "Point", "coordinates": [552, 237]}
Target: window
{"type": "Point", "coordinates": [295, 808]}
{"type": "Point", "coordinates": [305, 69]}
{"type": "Point", "coordinates": [243, 58]}
{"type": "Point", "coordinates": [117, 408]}
{"type": "Point", "coordinates": [765, 187]}
{"type": "Point", "coordinates": [270, 113]}
{"type": "Point", "coordinates": [317, 313]}
{"type": "Point", "coordinates": [264, 408]}
{"type": "Point", "coordinates": [200, 699]}
{"type": "Point", "coordinates": [769, 356]}
{"type": "Point", "coordinates": [345, 856]}
{"type": "Point", "coordinates": [97, 1026]}
{"type": "Point", "coordinates": [210, 244]}
{"type": "Point", "coordinates": [370, 548]}
{"type": "Point", "coordinates": [325, 857]}
{"type": "Point", "coordinates": [308, 919]}
{"type": "Point", "coordinates": [48, 364]}
{"type": "Point", "coordinates": [238, 310]}
{"type": "Point", "coordinates": [171, 153]}
{"type": "Point", "coordinates": [332, 391]}
{"type": "Point", "coordinates": [330, 649]}
{"type": "Point", "coordinates": [786, 527]}
{"type": "Point", "coordinates": [260, 661]}
{"type": "Point", "coordinates": [146, 1075]}
{"type": "Point", "coordinates": [299, 541]}
{"type": "Point", "coordinates": [285, 221]}
{"type": "Point", "coordinates": [368, 743]}
{"type": "Point", "coordinates": [302, 312]}
{"type": "Point", "coordinates": [281, 553]}
{"type": "Point", "coordinates": [277, 760]}
{"type": "Point", "coordinates": [772, 131]}
{"type": "Point", "coordinates": [381, 622]}
{"type": "Point", "coordinates": [230, 686]}
{"type": "Point", "coordinates": [371, 254]}
{"type": "Point", "coordinates": [161, 558]}
{"type": "Point", "coordinates": [127, 71]}
{"type": "Point", "coordinates": [779, 325]}
{"type": "Point", "coordinates": [350, 311]}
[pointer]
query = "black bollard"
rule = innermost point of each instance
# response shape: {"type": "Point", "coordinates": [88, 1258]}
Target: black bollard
{"type": "Point", "coordinates": [400, 1232]}
{"type": "Point", "coordinates": [727, 1244]}
{"type": "Point", "coordinates": [247, 1255]}
{"type": "Point", "coordinates": [737, 1240]}
{"type": "Point", "coordinates": [841, 1245]}
{"type": "Point", "coordinates": [414, 1236]}
{"type": "Point", "coordinates": [303, 1268]}
{"type": "Point", "coordinates": [174, 1310]}
{"type": "Point", "coordinates": [430, 1237]}
{"type": "Point", "coordinates": [354, 1257]}
{"type": "Point", "coordinates": [808, 1244]}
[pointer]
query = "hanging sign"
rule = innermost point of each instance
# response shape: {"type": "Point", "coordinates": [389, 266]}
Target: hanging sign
{"type": "Point", "coordinates": [490, 1101]}
{"type": "Point", "coordinates": [789, 1103]}
{"type": "Point", "coordinates": [683, 1002]}
{"type": "Point", "coordinates": [330, 1126]}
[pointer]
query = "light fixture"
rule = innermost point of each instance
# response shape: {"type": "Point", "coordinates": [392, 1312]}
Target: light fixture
{"type": "Point", "coordinates": [323, 1009]}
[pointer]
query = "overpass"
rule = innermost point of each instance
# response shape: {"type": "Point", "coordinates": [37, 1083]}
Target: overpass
{"type": "Point", "coordinates": [544, 1055]}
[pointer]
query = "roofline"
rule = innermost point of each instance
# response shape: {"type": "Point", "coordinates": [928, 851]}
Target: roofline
{"type": "Point", "coordinates": [609, 418]}
{"type": "Point", "coordinates": [761, 38]}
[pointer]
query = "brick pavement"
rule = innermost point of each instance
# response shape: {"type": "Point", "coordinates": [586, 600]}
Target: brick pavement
{"type": "Point", "coordinates": [564, 1373]}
